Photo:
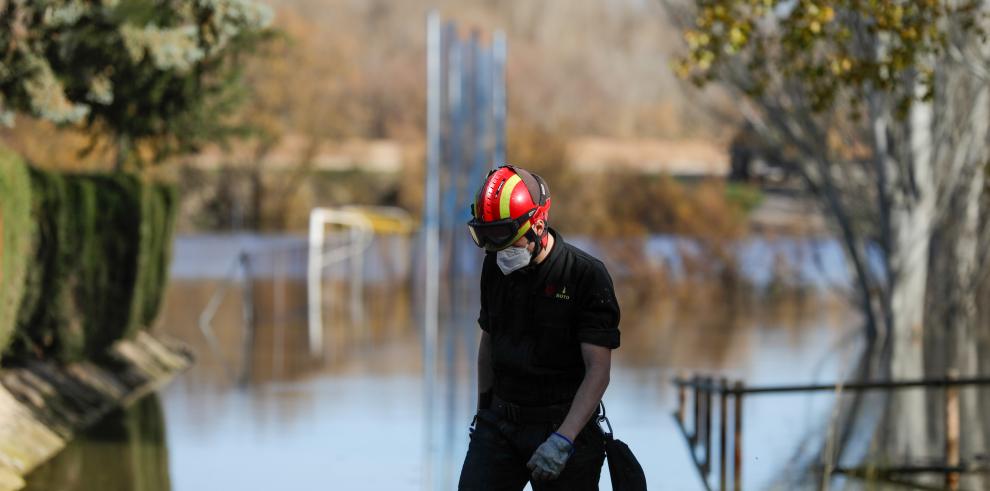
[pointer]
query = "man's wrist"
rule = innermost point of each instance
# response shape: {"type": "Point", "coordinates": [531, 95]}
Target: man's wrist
{"type": "Point", "coordinates": [568, 435]}
{"type": "Point", "coordinates": [569, 441]}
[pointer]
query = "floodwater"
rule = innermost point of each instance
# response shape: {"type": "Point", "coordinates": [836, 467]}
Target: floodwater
{"type": "Point", "coordinates": [262, 409]}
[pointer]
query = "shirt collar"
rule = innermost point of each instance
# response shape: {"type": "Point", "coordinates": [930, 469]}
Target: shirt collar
{"type": "Point", "coordinates": [558, 244]}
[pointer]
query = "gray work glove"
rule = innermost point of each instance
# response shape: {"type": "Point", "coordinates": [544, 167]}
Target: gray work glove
{"type": "Point", "coordinates": [550, 457]}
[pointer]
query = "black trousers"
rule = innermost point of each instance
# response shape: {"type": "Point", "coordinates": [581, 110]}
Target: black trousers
{"type": "Point", "coordinates": [499, 450]}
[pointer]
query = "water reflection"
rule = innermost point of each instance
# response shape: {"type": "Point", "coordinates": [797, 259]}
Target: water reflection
{"type": "Point", "coordinates": [263, 413]}
{"type": "Point", "coordinates": [130, 444]}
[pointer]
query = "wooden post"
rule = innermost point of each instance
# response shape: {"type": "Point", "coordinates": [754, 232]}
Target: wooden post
{"type": "Point", "coordinates": [681, 399]}
{"type": "Point", "coordinates": [952, 431]}
{"type": "Point", "coordinates": [722, 430]}
{"type": "Point", "coordinates": [737, 439]}
{"type": "Point", "coordinates": [708, 426]}
{"type": "Point", "coordinates": [696, 380]}
{"type": "Point", "coordinates": [249, 313]}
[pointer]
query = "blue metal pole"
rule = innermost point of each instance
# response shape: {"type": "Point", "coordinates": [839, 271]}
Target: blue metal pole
{"type": "Point", "coordinates": [499, 53]}
{"type": "Point", "coordinates": [456, 100]}
{"type": "Point", "coordinates": [432, 234]}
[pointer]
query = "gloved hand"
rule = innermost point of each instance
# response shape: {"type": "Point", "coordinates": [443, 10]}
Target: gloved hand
{"type": "Point", "coordinates": [550, 457]}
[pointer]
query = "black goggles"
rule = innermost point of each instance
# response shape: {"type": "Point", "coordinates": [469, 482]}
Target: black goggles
{"type": "Point", "coordinates": [495, 236]}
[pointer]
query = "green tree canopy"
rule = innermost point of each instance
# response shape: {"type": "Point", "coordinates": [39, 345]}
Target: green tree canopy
{"type": "Point", "coordinates": [155, 75]}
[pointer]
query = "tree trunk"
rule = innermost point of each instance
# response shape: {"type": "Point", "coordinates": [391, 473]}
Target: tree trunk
{"type": "Point", "coordinates": [956, 341]}
{"type": "Point", "coordinates": [966, 353]}
{"type": "Point", "coordinates": [123, 152]}
{"type": "Point", "coordinates": [257, 197]}
{"type": "Point", "coordinates": [963, 352]}
{"type": "Point", "coordinates": [983, 345]}
{"type": "Point", "coordinates": [905, 429]}
{"type": "Point", "coordinates": [910, 224]}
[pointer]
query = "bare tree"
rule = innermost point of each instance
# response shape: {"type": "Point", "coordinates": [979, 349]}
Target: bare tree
{"type": "Point", "coordinates": [909, 83]}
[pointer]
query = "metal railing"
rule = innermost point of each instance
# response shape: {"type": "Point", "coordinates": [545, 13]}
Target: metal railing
{"type": "Point", "coordinates": [240, 267]}
{"type": "Point", "coordinates": [359, 223]}
{"type": "Point", "coordinates": [705, 389]}
{"type": "Point", "coordinates": [244, 269]}
{"type": "Point", "coordinates": [360, 231]}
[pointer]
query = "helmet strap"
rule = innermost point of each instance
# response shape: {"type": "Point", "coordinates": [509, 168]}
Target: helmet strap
{"type": "Point", "coordinates": [538, 244]}
{"type": "Point", "coordinates": [539, 240]}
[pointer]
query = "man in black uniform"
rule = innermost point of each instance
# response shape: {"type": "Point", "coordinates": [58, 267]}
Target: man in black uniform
{"type": "Point", "coordinates": [550, 320]}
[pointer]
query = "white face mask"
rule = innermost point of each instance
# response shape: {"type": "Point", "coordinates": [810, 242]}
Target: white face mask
{"type": "Point", "coordinates": [513, 258]}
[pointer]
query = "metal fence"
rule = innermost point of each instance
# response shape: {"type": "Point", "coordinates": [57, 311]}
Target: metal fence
{"type": "Point", "coordinates": [730, 395]}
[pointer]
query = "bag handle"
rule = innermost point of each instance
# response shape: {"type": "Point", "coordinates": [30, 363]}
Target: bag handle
{"type": "Point", "coordinates": [604, 418]}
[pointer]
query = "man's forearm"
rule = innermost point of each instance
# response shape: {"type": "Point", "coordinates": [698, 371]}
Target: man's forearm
{"type": "Point", "coordinates": [586, 400]}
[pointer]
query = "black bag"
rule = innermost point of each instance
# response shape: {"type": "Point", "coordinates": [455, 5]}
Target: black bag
{"type": "Point", "coordinates": [627, 474]}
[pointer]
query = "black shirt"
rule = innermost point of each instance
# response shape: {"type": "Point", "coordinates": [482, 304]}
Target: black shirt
{"type": "Point", "coordinates": [537, 319]}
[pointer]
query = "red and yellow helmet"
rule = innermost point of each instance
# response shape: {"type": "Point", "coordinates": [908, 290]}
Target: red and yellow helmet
{"type": "Point", "coordinates": [509, 203]}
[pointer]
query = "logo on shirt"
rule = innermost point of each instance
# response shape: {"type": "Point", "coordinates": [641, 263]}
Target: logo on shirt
{"type": "Point", "coordinates": [550, 290]}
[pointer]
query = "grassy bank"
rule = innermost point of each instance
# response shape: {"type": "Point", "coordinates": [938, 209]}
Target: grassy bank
{"type": "Point", "coordinates": [15, 232]}
{"type": "Point", "coordinates": [94, 250]}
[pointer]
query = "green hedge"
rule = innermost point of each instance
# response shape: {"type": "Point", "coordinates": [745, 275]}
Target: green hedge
{"type": "Point", "coordinates": [158, 207]}
{"type": "Point", "coordinates": [15, 235]}
{"type": "Point", "coordinates": [101, 250]}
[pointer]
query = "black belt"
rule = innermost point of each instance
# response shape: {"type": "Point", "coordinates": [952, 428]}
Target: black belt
{"type": "Point", "coordinates": [529, 414]}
